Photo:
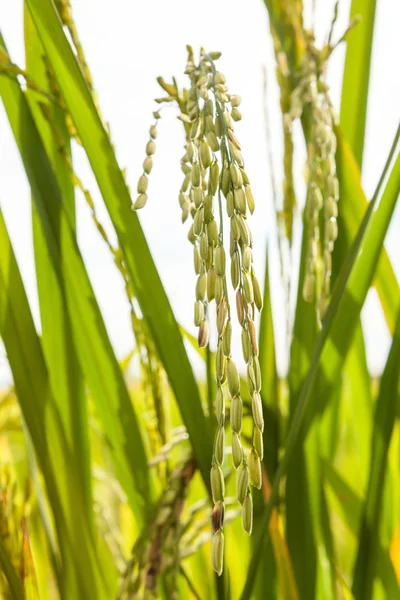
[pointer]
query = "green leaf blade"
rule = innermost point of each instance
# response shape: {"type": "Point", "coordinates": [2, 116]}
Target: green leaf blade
{"type": "Point", "coordinates": [96, 355]}
{"type": "Point", "coordinates": [10, 574]}
{"type": "Point", "coordinates": [340, 322]}
{"type": "Point", "coordinates": [57, 341]}
{"type": "Point", "coordinates": [385, 417]}
{"type": "Point", "coordinates": [80, 570]}
{"type": "Point", "coordinates": [356, 76]}
{"type": "Point", "coordinates": [269, 376]}
{"type": "Point", "coordinates": [353, 205]}
{"type": "Point", "coordinates": [146, 281]}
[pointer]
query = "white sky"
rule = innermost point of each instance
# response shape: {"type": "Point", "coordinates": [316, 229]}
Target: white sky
{"type": "Point", "coordinates": [127, 45]}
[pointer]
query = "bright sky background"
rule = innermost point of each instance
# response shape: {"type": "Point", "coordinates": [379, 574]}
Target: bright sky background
{"type": "Point", "coordinates": [127, 45]}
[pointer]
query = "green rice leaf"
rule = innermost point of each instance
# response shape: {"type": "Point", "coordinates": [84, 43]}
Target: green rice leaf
{"type": "Point", "coordinates": [146, 281]}
{"type": "Point", "coordinates": [303, 476]}
{"type": "Point", "coordinates": [10, 574]}
{"type": "Point", "coordinates": [385, 417]}
{"type": "Point", "coordinates": [57, 341]}
{"type": "Point", "coordinates": [81, 576]}
{"type": "Point", "coordinates": [96, 355]}
{"type": "Point", "coordinates": [271, 566]}
{"type": "Point", "coordinates": [307, 526]}
{"type": "Point", "coordinates": [269, 377]}
{"type": "Point", "coordinates": [353, 205]}
{"type": "Point", "coordinates": [341, 319]}
{"type": "Point", "coordinates": [349, 507]}
{"type": "Point", "coordinates": [356, 76]}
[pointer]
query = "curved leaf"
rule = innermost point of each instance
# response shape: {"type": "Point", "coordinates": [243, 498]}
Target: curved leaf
{"type": "Point", "coordinates": [81, 576]}
{"type": "Point", "coordinates": [96, 355]}
{"type": "Point", "coordinates": [335, 337]}
{"type": "Point", "coordinates": [349, 508]}
{"type": "Point", "coordinates": [57, 340]}
{"type": "Point", "coordinates": [353, 205]}
{"type": "Point", "coordinates": [146, 281]}
{"type": "Point", "coordinates": [385, 417]}
{"type": "Point", "coordinates": [10, 573]}
{"type": "Point", "coordinates": [269, 376]}
{"type": "Point", "coordinates": [356, 76]}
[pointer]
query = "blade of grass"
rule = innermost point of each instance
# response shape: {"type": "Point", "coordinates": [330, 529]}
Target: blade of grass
{"type": "Point", "coordinates": [275, 560]}
{"type": "Point", "coordinates": [356, 77]}
{"type": "Point", "coordinates": [10, 574]}
{"type": "Point", "coordinates": [96, 355]}
{"type": "Point", "coordinates": [335, 337]}
{"type": "Point", "coordinates": [57, 342]}
{"type": "Point", "coordinates": [385, 417]}
{"type": "Point", "coordinates": [303, 476]}
{"type": "Point", "coordinates": [305, 519]}
{"type": "Point", "coordinates": [29, 571]}
{"type": "Point", "coordinates": [390, 529]}
{"type": "Point", "coordinates": [191, 587]}
{"type": "Point", "coordinates": [349, 508]}
{"type": "Point", "coordinates": [146, 281]}
{"type": "Point", "coordinates": [282, 563]}
{"type": "Point", "coordinates": [269, 375]}
{"type": "Point", "coordinates": [43, 517]}
{"type": "Point", "coordinates": [41, 555]}
{"type": "Point", "coordinates": [347, 419]}
{"type": "Point", "coordinates": [355, 379]}
{"type": "Point", "coordinates": [349, 502]}
{"type": "Point", "coordinates": [353, 205]}
{"type": "Point", "coordinates": [357, 394]}
{"type": "Point", "coordinates": [80, 574]}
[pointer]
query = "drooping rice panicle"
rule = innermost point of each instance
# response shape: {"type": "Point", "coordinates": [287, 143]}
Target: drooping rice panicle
{"type": "Point", "coordinates": [312, 94]}
{"type": "Point", "coordinates": [213, 169]}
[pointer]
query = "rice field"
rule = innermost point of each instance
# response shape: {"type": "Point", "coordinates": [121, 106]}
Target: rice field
{"type": "Point", "coordinates": [149, 477]}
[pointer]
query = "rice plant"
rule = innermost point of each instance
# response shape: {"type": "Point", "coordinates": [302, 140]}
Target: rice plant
{"type": "Point", "coordinates": [244, 483]}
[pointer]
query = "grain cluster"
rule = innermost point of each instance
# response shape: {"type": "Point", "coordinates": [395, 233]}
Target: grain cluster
{"type": "Point", "coordinates": [215, 184]}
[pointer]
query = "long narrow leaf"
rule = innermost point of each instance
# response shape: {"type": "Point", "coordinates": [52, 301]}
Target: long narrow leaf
{"type": "Point", "coordinates": [10, 574]}
{"type": "Point", "coordinates": [355, 379]}
{"type": "Point", "coordinates": [57, 341]}
{"type": "Point", "coordinates": [385, 417]}
{"type": "Point", "coordinates": [303, 475]}
{"type": "Point", "coordinates": [356, 77]}
{"type": "Point", "coordinates": [96, 355]}
{"type": "Point", "coordinates": [349, 507]}
{"type": "Point", "coordinates": [270, 388]}
{"type": "Point", "coordinates": [352, 206]}
{"type": "Point", "coordinates": [148, 288]}
{"type": "Point", "coordinates": [341, 319]}
{"type": "Point", "coordinates": [81, 576]}
{"type": "Point", "coordinates": [284, 568]}
{"type": "Point", "coordinates": [276, 557]}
